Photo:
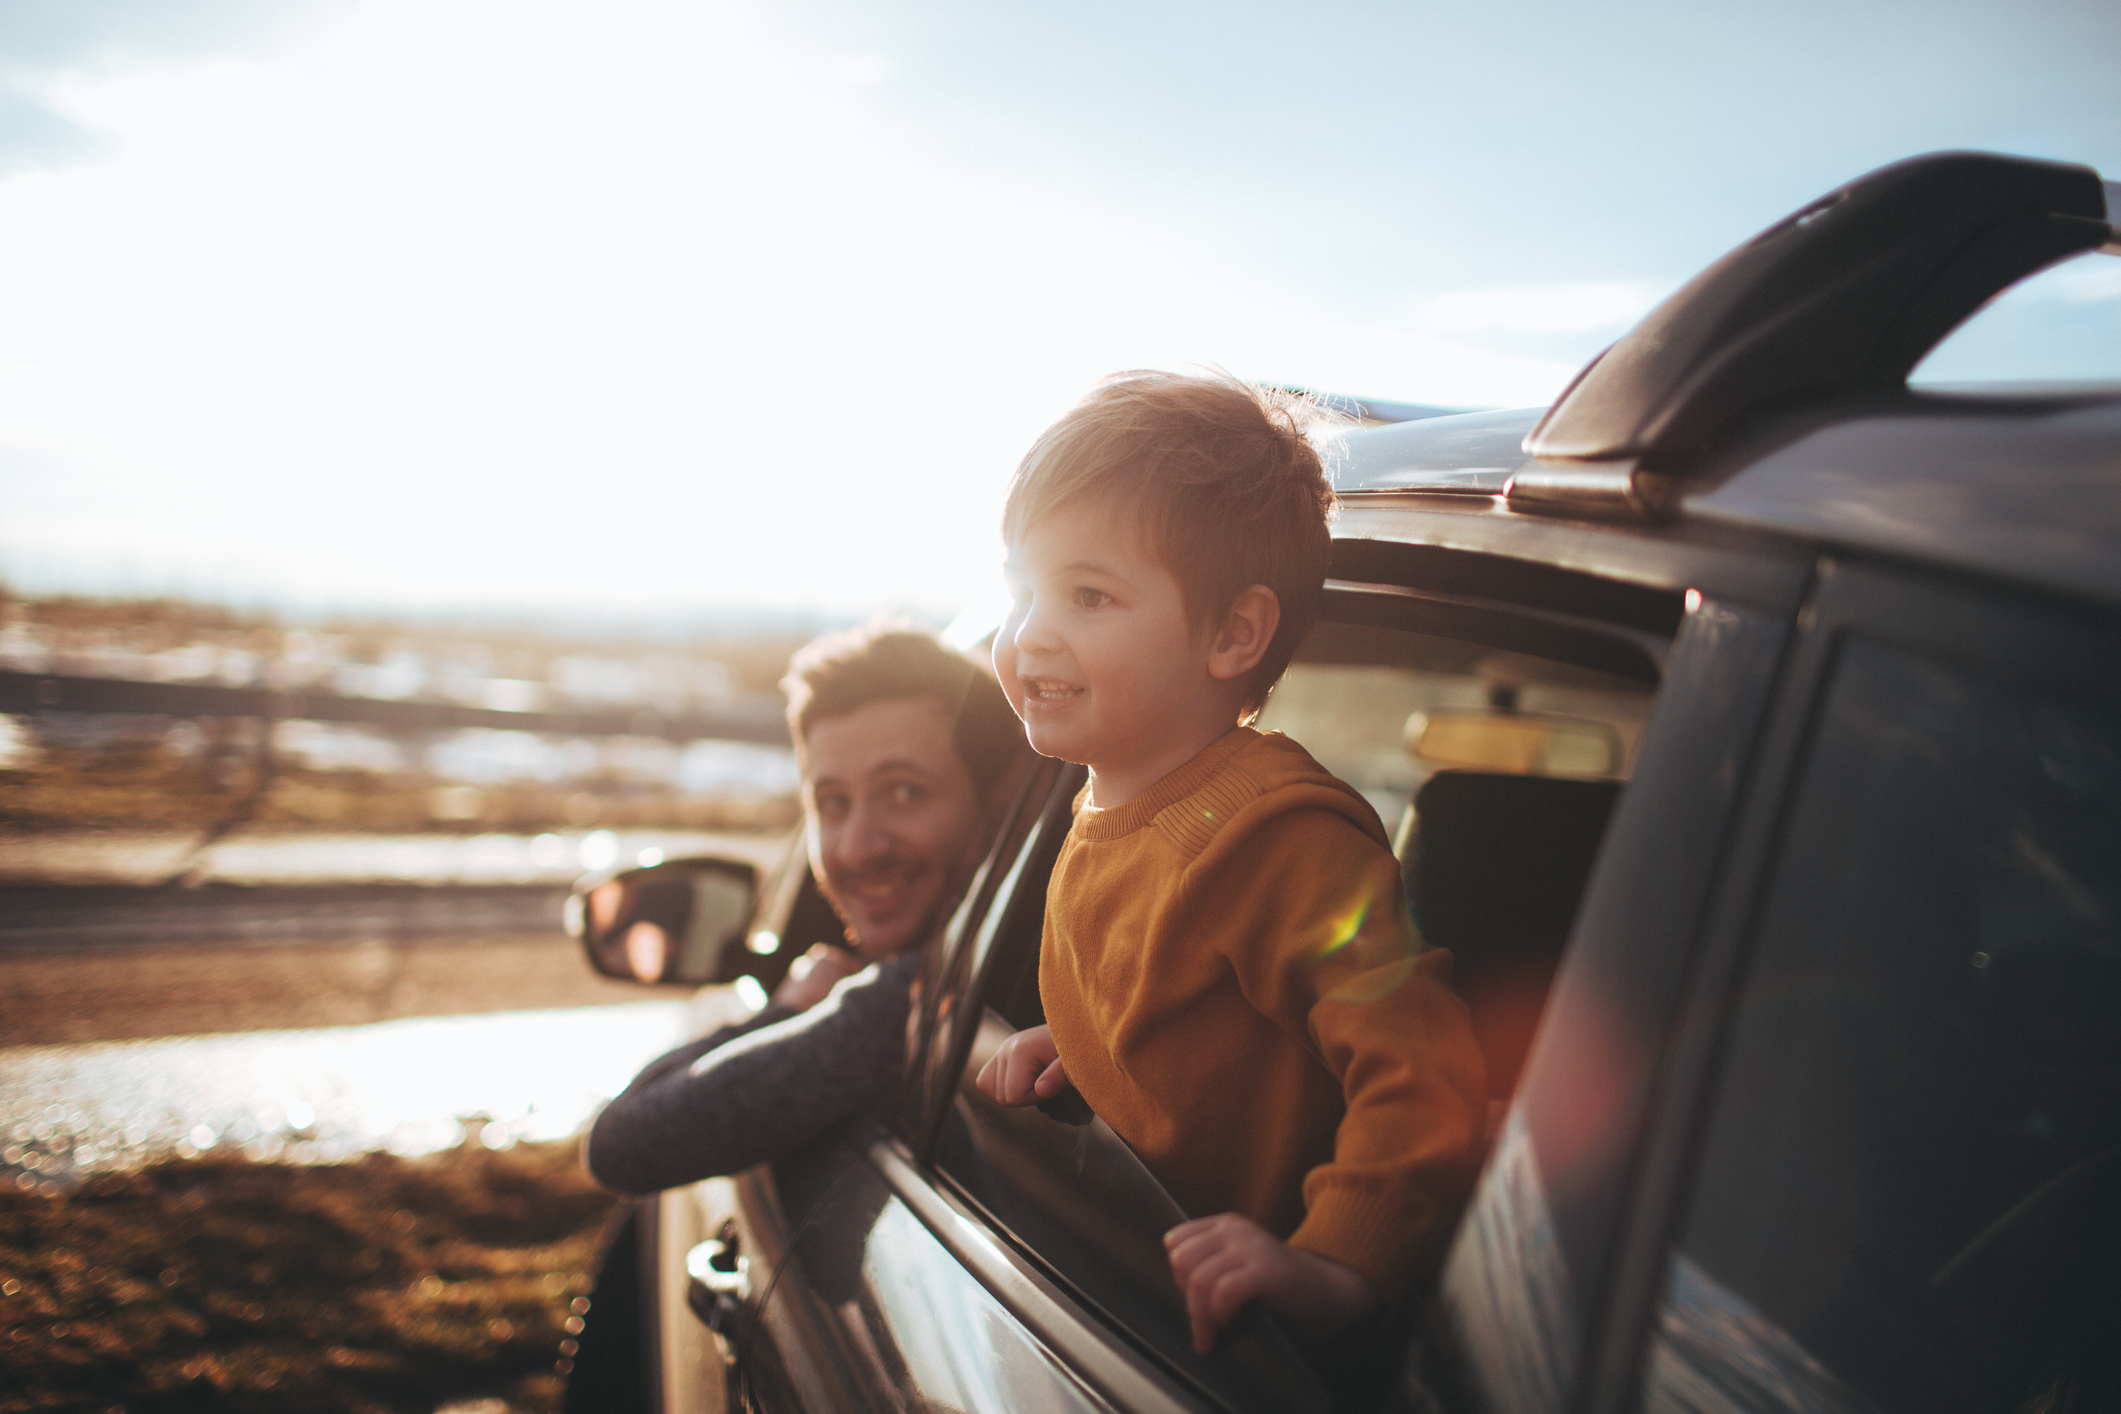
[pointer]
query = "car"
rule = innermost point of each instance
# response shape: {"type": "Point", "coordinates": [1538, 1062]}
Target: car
{"type": "Point", "coordinates": [1752, 727]}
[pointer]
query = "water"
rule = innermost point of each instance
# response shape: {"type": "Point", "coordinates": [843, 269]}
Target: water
{"type": "Point", "coordinates": [318, 1096]}
{"type": "Point", "coordinates": [117, 857]}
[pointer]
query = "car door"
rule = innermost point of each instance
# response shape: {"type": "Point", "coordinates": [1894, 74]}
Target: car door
{"type": "Point", "coordinates": [1886, 1169]}
{"type": "Point", "coordinates": [709, 1250]}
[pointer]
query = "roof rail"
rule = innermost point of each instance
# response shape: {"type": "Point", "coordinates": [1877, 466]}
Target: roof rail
{"type": "Point", "coordinates": [1848, 293]}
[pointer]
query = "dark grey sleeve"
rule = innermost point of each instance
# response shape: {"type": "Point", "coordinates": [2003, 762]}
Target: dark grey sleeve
{"type": "Point", "coordinates": [720, 1105]}
{"type": "Point", "coordinates": [771, 1014]}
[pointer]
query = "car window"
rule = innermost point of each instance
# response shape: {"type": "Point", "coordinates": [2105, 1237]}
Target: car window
{"type": "Point", "coordinates": [1496, 773]}
{"type": "Point", "coordinates": [989, 947]}
{"type": "Point", "coordinates": [1907, 1195]}
{"type": "Point", "coordinates": [1075, 1198]}
{"type": "Point", "coordinates": [1522, 1288]}
{"type": "Point", "coordinates": [1358, 697]}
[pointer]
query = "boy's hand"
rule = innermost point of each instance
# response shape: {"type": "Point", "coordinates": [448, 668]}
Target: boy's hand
{"type": "Point", "coordinates": [1024, 1071]}
{"type": "Point", "coordinates": [1224, 1261]}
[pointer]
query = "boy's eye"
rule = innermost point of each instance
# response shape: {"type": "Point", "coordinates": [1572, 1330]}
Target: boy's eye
{"type": "Point", "coordinates": [1092, 598]}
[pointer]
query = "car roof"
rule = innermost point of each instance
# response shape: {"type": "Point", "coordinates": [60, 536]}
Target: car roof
{"type": "Point", "coordinates": [1766, 403]}
{"type": "Point", "coordinates": [2020, 483]}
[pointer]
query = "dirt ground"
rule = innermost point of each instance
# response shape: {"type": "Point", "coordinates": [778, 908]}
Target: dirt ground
{"type": "Point", "coordinates": [369, 1287]}
{"type": "Point", "coordinates": [378, 1285]}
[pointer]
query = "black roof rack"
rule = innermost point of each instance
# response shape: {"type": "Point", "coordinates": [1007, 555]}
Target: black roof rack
{"type": "Point", "coordinates": [1848, 293]}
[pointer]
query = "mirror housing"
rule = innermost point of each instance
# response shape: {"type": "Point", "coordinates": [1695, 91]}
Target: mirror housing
{"type": "Point", "coordinates": [1518, 743]}
{"type": "Point", "coordinates": [681, 922]}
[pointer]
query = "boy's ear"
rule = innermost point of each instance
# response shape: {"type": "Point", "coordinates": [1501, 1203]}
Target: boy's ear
{"type": "Point", "coordinates": [1246, 631]}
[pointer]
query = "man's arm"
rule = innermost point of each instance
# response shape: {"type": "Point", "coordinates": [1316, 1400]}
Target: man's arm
{"type": "Point", "coordinates": [718, 1107]}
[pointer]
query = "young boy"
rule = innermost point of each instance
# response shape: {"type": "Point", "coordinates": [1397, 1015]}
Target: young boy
{"type": "Point", "coordinates": [1229, 975]}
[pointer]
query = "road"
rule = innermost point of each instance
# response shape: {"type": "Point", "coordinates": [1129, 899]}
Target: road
{"type": "Point", "coordinates": [120, 962]}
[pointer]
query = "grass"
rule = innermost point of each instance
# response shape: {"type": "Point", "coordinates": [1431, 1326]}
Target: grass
{"type": "Point", "coordinates": [382, 1284]}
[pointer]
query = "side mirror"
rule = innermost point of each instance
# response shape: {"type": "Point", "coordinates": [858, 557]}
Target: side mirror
{"type": "Point", "coordinates": [679, 922]}
{"type": "Point", "coordinates": [1520, 743]}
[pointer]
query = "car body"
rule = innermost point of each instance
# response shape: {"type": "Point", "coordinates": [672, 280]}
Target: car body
{"type": "Point", "coordinates": [1801, 1000]}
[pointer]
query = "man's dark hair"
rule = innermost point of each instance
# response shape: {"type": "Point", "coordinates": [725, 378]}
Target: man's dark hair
{"type": "Point", "coordinates": [844, 672]}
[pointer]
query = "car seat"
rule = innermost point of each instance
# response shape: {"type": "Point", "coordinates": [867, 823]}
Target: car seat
{"type": "Point", "coordinates": [1495, 866]}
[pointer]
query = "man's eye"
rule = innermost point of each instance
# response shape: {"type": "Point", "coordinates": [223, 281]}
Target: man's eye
{"type": "Point", "coordinates": [908, 793]}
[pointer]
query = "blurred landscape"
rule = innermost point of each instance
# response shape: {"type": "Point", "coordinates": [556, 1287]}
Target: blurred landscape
{"type": "Point", "coordinates": [649, 310]}
{"type": "Point", "coordinates": [631, 760]}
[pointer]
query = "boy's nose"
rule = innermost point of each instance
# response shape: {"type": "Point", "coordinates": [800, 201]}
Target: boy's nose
{"type": "Point", "coordinates": [1033, 631]}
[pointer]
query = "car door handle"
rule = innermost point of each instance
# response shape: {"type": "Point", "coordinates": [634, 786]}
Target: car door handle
{"type": "Point", "coordinates": [718, 1280]}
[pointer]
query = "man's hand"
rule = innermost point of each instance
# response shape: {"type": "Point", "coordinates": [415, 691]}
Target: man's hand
{"type": "Point", "coordinates": [812, 976]}
{"type": "Point", "coordinates": [1224, 1261]}
{"type": "Point", "coordinates": [1024, 1071]}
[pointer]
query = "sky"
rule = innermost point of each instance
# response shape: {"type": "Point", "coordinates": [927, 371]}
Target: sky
{"type": "Point", "coordinates": [666, 307]}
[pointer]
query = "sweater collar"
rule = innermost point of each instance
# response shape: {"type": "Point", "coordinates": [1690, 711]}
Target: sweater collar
{"type": "Point", "coordinates": [1094, 824]}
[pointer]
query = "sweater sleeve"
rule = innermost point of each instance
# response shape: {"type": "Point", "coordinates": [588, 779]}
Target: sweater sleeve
{"type": "Point", "coordinates": [721, 1104]}
{"type": "Point", "coordinates": [1328, 951]}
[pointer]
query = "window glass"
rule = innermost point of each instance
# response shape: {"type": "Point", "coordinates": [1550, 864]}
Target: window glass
{"type": "Point", "coordinates": [1076, 1198]}
{"type": "Point", "coordinates": [1909, 1193]}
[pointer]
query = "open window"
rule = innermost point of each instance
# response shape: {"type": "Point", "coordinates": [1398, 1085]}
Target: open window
{"type": "Point", "coordinates": [1495, 767]}
{"type": "Point", "coordinates": [1464, 729]}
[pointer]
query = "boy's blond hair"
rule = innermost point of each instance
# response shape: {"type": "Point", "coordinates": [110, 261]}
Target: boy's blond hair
{"type": "Point", "coordinates": [1229, 489]}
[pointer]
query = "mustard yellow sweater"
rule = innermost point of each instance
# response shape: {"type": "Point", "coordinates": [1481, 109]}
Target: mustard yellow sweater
{"type": "Point", "coordinates": [1234, 986]}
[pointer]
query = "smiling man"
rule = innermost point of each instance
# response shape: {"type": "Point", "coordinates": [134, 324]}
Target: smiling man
{"type": "Point", "coordinates": [902, 744]}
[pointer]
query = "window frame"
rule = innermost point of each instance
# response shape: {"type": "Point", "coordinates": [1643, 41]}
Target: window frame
{"type": "Point", "coordinates": [2039, 641]}
{"type": "Point", "coordinates": [1620, 983]}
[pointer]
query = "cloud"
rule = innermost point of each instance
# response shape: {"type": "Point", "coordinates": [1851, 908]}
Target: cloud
{"type": "Point", "coordinates": [34, 136]}
{"type": "Point", "coordinates": [43, 43]}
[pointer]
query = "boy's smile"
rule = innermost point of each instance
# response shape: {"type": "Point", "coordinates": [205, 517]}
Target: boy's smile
{"type": "Point", "coordinates": [1099, 658]}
